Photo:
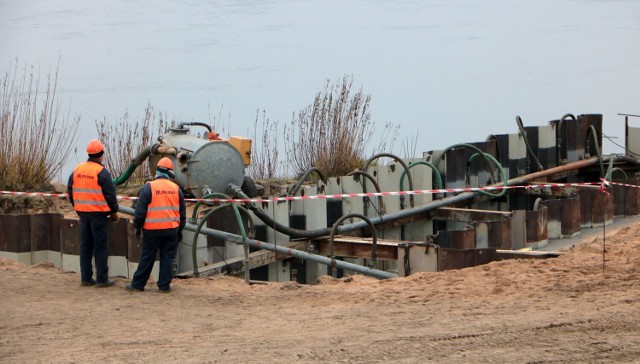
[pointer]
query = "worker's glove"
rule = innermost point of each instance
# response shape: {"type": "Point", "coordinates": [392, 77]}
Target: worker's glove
{"type": "Point", "coordinates": [114, 217]}
{"type": "Point", "coordinates": [179, 236]}
{"type": "Point", "coordinates": [138, 233]}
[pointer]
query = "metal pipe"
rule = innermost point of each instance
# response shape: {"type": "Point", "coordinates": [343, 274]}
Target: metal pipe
{"type": "Point", "coordinates": [281, 249]}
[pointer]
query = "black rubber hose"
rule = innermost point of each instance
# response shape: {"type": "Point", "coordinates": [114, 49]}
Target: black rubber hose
{"type": "Point", "coordinates": [181, 125]}
{"type": "Point", "coordinates": [526, 142]}
{"type": "Point", "coordinates": [294, 189]}
{"type": "Point", "coordinates": [559, 135]}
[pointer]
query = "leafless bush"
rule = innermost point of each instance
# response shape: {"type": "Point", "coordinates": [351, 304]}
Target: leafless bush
{"type": "Point", "coordinates": [125, 139]}
{"type": "Point", "coordinates": [333, 133]}
{"type": "Point", "coordinates": [36, 136]}
{"type": "Point", "coordinates": [265, 156]}
{"type": "Point", "coordinates": [410, 146]}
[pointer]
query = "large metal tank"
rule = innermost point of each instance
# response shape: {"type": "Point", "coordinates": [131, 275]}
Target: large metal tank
{"type": "Point", "coordinates": [200, 165]}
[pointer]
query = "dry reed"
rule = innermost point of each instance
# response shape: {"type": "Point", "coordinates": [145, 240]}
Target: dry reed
{"type": "Point", "coordinates": [36, 136]}
{"type": "Point", "coordinates": [125, 139]}
{"type": "Point", "coordinates": [333, 133]}
{"type": "Point", "coordinates": [265, 156]}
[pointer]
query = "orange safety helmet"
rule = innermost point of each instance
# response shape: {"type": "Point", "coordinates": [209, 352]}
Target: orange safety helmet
{"type": "Point", "coordinates": [165, 163]}
{"type": "Point", "coordinates": [95, 147]}
{"type": "Point", "coordinates": [166, 166]}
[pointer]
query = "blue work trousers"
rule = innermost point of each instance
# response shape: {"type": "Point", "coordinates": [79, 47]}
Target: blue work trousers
{"type": "Point", "coordinates": [167, 246]}
{"type": "Point", "coordinates": [94, 243]}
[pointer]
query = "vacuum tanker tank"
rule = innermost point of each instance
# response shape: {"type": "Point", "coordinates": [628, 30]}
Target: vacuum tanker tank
{"type": "Point", "coordinates": [201, 165]}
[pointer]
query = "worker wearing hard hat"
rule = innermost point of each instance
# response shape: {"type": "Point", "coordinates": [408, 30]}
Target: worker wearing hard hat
{"type": "Point", "coordinates": [160, 216]}
{"type": "Point", "coordinates": [93, 196]}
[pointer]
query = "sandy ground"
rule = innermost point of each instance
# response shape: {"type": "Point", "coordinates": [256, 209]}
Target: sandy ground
{"type": "Point", "coordinates": [519, 311]}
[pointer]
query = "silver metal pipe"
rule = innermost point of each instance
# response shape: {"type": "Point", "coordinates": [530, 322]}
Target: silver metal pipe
{"type": "Point", "coordinates": [282, 250]}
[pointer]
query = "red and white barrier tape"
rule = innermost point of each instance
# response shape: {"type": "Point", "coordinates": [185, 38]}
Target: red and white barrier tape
{"type": "Point", "coordinates": [601, 185]}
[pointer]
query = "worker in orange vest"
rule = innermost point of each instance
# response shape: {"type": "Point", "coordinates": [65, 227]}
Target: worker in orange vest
{"type": "Point", "coordinates": [93, 196]}
{"type": "Point", "coordinates": [160, 216]}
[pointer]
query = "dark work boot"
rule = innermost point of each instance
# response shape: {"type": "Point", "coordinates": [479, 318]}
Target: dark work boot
{"type": "Point", "coordinates": [88, 283]}
{"type": "Point", "coordinates": [129, 287]}
{"type": "Point", "coordinates": [106, 284]}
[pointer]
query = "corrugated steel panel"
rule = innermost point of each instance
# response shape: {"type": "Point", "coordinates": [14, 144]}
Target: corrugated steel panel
{"type": "Point", "coordinates": [456, 239]}
{"type": "Point", "coordinates": [537, 225]}
{"type": "Point", "coordinates": [595, 120]}
{"type": "Point", "coordinates": [571, 216]}
{"type": "Point", "coordinates": [596, 207]}
{"type": "Point", "coordinates": [45, 232]}
{"type": "Point", "coordinates": [119, 238]}
{"type": "Point", "coordinates": [16, 234]}
{"type": "Point", "coordinates": [464, 258]}
{"type": "Point", "coordinates": [626, 200]}
{"type": "Point", "coordinates": [70, 236]}
{"type": "Point", "coordinates": [554, 219]}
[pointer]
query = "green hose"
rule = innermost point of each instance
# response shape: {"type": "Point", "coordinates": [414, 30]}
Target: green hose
{"type": "Point", "coordinates": [140, 158]}
{"type": "Point", "coordinates": [470, 146]}
{"type": "Point", "coordinates": [616, 169]}
{"type": "Point", "coordinates": [433, 168]}
{"type": "Point", "coordinates": [594, 134]}
{"type": "Point", "coordinates": [236, 210]}
{"type": "Point", "coordinates": [406, 170]}
{"type": "Point", "coordinates": [125, 176]}
{"type": "Point", "coordinates": [502, 173]}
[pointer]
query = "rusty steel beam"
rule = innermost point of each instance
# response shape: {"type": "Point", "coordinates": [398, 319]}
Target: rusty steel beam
{"type": "Point", "coordinates": [556, 191]}
{"type": "Point", "coordinates": [469, 215]}
{"type": "Point", "coordinates": [463, 258]}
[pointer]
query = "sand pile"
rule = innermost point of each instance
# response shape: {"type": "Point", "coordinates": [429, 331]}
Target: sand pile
{"type": "Point", "coordinates": [564, 309]}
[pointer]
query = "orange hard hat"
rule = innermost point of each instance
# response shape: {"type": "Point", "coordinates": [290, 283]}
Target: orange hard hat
{"type": "Point", "coordinates": [95, 147]}
{"type": "Point", "coordinates": [165, 163]}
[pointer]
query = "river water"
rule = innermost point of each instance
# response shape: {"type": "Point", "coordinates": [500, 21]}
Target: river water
{"type": "Point", "coordinates": [446, 72]}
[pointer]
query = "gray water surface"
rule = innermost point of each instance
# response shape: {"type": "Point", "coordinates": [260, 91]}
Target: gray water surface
{"type": "Point", "coordinates": [445, 71]}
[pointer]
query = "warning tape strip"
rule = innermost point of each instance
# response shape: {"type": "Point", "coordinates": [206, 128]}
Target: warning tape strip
{"type": "Point", "coordinates": [602, 185]}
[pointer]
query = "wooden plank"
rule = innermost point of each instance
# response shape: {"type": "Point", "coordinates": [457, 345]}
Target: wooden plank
{"type": "Point", "coordinates": [357, 247]}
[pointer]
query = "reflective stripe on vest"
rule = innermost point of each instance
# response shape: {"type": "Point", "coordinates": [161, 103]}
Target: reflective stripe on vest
{"type": "Point", "coordinates": [87, 193]}
{"type": "Point", "coordinates": [163, 211]}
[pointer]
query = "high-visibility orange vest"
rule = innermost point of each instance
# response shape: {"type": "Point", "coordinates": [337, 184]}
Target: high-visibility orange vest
{"type": "Point", "coordinates": [87, 193]}
{"type": "Point", "coordinates": [163, 211]}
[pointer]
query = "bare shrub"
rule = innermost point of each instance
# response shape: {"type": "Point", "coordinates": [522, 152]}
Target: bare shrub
{"type": "Point", "coordinates": [410, 146]}
{"type": "Point", "coordinates": [125, 139]}
{"type": "Point", "coordinates": [333, 133]}
{"type": "Point", "coordinates": [265, 153]}
{"type": "Point", "coordinates": [37, 137]}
